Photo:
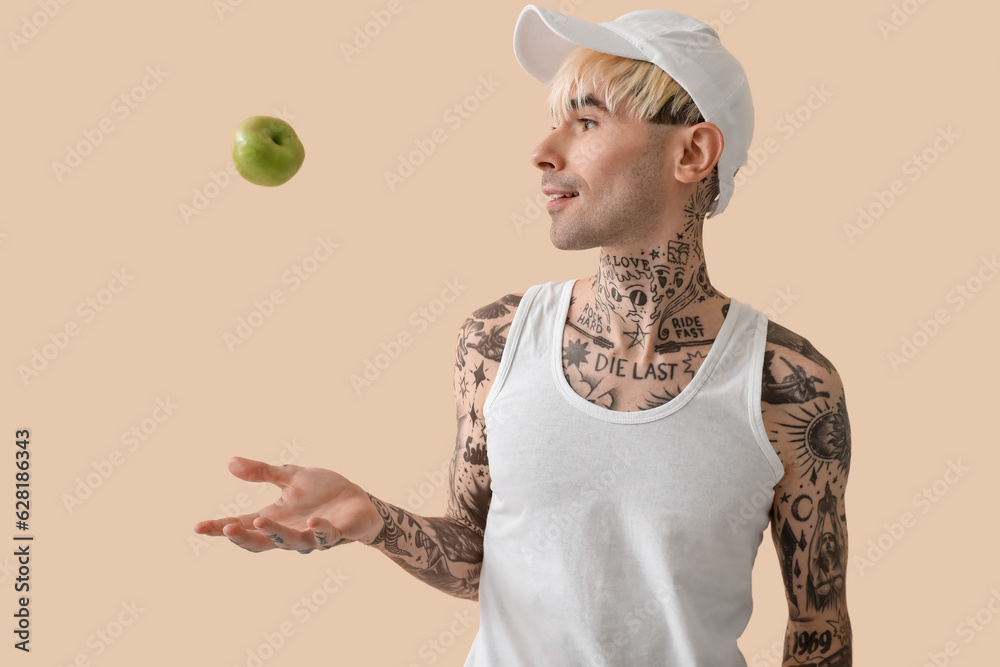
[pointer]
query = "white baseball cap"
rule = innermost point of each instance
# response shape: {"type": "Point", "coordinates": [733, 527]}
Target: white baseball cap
{"type": "Point", "coordinates": [683, 47]}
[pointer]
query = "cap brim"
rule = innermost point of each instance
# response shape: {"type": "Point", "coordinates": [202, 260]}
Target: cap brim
{"type": "Point", "coordinates": [543, 38]}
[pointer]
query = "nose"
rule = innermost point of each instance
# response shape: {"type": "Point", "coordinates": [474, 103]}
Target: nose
{"type": "Point", "coordinates": [547, 155]}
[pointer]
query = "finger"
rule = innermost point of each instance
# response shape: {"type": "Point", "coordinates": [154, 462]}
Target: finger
{"type": "Point", "coordinates": [259, 471]}
{"type": "Point", "coordinates": [325, 534]}
{"type": "Point", "coordinates": [215, 526]}
{"type": "Point", "coordinates": [284, 537]}
{"type": "Point", "coordinates": [251, 540]}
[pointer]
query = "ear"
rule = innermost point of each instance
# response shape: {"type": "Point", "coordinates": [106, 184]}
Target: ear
{"type": "Point", "coordinates": [701, 146]}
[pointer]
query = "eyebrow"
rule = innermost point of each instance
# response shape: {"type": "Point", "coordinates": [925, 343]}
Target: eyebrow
{"type": "Point", "coordinates": [589, 101]}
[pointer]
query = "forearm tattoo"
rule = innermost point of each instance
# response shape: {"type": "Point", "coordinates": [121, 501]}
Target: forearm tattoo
{"type": "Point", "coordinates": [438, 551]}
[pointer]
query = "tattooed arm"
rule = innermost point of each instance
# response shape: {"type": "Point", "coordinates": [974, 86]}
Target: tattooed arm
{"type": "Point", "coordinates": [320, 509]}
{"type": "Point", "coordinates": [447, 552]}
{"type": "Point", "coordinates": [805, 415]}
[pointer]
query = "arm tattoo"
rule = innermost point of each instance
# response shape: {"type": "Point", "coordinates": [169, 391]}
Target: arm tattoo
{"type": "Point", "coordinates": [437, 550]}
{"type": "Point", "coordinates": [810, 429]}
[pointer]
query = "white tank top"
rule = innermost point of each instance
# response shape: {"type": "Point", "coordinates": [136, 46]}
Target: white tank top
{"type": "Point", "coordinates": [621, 538]}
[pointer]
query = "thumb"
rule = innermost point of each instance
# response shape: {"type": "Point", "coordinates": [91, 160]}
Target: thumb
{"type": "Point", "coordinates": [251, 470]}
{"type": "Point", "coordinates": [327, 536]}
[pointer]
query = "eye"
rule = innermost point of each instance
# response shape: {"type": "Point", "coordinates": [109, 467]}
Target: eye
{"type": "Point", "coordinates": [580, 120]}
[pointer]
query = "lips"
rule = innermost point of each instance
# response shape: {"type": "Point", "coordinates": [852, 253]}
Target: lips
{"type": "Point", "coordinates": [556, 194]}
{"type": "Point", "coordinates": [561, 200]}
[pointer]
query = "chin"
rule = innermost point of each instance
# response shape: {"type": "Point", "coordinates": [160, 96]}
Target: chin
{"type": "Point", "coordinates": [563, 242]}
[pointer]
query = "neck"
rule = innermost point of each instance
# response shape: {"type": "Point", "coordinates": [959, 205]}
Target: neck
{"type": "Point", "coordinates": [654, 297]}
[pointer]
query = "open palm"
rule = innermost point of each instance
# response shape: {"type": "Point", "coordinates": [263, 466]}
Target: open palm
{"type": "Point", "coordinates": [318, 509]}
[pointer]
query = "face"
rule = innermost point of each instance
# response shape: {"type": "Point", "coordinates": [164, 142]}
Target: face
{"type": "Point", "coordinates": [616, 165]}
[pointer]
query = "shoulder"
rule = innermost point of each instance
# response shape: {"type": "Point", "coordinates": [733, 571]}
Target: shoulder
{"type": "Point", "coordinates": [497, 312]}
{"type": "Point", "coordinates": [788, 355]}
{"type": "Point", "coordinates": [803, 400]}
{"type": "Point", "coordinates": [485, 330]}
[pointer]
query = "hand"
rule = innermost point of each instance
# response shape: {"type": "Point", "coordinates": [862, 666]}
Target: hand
{"type": "Point", "coordinates": [318, 509]}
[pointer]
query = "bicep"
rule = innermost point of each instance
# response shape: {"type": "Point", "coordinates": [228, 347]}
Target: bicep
{"type": "Point", "coordinates": [469, 473]}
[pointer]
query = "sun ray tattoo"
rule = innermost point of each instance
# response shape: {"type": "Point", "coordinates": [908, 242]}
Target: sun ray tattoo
{"type": "Point", "coordinates": [823, 434]}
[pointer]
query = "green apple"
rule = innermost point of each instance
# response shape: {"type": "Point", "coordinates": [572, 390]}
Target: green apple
{"type": "Point", "coordinates": [266, 150]}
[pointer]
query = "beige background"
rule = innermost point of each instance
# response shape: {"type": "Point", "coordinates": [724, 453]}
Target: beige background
{"type": "Point", "coordinates": [287, 391]}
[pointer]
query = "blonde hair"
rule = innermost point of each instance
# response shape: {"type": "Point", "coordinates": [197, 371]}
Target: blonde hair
{"type": "Point", "coordinates": [631, 88]}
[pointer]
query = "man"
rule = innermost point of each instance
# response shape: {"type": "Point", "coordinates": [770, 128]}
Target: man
{"type": "Point", "coordinates": [623, 440]}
